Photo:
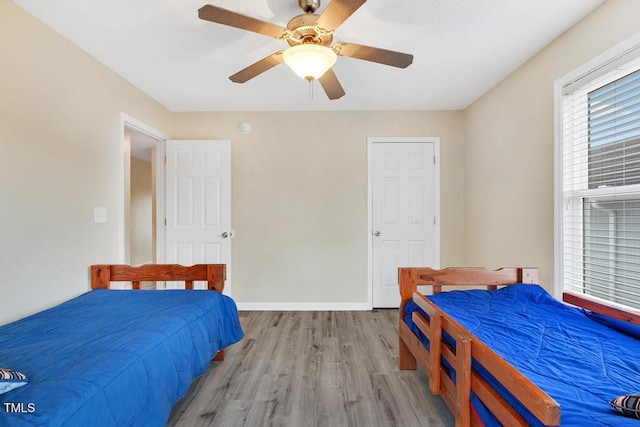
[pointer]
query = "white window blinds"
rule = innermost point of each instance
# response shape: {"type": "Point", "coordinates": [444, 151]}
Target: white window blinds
{"type": "Point", "coordinates": [601, 186]}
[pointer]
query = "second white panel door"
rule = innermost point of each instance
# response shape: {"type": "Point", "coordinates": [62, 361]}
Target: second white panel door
{"type": "Point", "coordinates": [403, 214]}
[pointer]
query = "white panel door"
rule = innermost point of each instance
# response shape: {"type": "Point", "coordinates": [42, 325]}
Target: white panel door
{"type": "Point", "coordinates": [403, 214]}
{"type": "Point", "coordinates": [198, 198]}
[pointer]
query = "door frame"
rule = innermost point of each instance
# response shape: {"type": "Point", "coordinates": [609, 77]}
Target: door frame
{"type": "Point", "coordinates": [126, 121]}
{"type": "Point", "coordinates": [436, 208]}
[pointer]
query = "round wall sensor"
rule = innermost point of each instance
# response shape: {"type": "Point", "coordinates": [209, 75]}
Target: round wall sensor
{"type": "Point", "coordinates": [245, 127]}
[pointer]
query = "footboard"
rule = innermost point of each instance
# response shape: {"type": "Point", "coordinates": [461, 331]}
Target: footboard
{"type": "Point", "coordinates": [459, 353]}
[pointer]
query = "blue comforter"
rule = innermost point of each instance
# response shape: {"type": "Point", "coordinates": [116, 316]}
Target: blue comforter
{"type": "Point", "coordinates": [580, 360]}
{"type": "Point", "coordinates": [113, 357]}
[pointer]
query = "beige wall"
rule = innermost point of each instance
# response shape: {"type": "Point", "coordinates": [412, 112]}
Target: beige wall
{"type": "Point", "coordinates": [509, 140]}
{"type": "Point", "coordinates": [299, 179]}
{"type": "Point", "coordinates": [60, 140]}
{"type": "Point", "coordinates": [141, 212]}
{"type": "Point", "coordinates": [299, 194]}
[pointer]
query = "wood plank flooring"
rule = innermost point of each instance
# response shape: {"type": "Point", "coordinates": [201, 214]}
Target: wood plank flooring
{"type": "Point", "coordinates": [312, 369]}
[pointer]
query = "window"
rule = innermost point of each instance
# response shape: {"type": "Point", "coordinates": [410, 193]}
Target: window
{"type": "Point", "coordinates": [600, 184]}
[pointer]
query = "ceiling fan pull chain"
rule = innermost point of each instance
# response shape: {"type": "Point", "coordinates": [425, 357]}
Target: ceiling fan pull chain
{"type": "Point", "coordinates": [310, 88]}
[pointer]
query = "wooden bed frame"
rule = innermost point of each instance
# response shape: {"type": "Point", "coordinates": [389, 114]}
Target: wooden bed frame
{"type": "Point", "coordinates": [457, 395]}
{"type": "Point", "coordinates": [214, 274]}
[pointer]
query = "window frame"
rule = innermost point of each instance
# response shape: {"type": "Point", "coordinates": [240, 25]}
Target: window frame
{"type": "Point", "coordinates": [589, 76]}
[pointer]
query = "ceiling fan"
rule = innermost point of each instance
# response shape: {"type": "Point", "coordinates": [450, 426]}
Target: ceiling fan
{"type": "Point", "coordinates": [310, 53]}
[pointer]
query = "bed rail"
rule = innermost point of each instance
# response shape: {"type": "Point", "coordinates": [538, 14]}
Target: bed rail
{"type": "Point", "coordinates": [457, 395]}
{"type": "Point", "coordinates": [214, 274]}
{"type": "Point", "coordinates": [537, 401]}
{"type": "Point", "coordinates": [599, 306]}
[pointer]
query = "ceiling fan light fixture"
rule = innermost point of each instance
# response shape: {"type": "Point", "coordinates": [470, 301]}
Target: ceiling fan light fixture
{"type": "Point", "coordinates": [309, 61]}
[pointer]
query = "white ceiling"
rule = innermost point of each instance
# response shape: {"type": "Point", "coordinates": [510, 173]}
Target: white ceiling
{"type": "Point", "coordinates": [461, 49]}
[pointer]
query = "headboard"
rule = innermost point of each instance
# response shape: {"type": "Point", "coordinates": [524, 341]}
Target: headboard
{"type": "Point", "coordinates": [410, 278]}
{"type": "Point", "coordinates": [214, 274]}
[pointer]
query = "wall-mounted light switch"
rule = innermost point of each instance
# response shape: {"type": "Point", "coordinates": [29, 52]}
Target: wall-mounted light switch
{"type": "Point", "coordinates": [99, 214]}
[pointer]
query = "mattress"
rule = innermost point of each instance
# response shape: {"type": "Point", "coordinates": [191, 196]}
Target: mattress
{"type": "Point", "coordinates": [113, 357]}
{"type": "Point", "coordinates": [580, 359]}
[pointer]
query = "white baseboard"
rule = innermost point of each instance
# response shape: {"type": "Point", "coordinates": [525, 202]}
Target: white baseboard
{"type": "Point", "coordinates": [303, 306]}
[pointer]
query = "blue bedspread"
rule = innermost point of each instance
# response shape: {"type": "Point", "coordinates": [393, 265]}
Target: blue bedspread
{"type": "Point", "coordinates": [114, 357]}
{"type": "Point", "coordinates": [580, 362]}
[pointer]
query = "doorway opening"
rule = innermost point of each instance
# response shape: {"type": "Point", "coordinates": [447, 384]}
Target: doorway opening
{"type": "Point", "coordinates": [142, 194]}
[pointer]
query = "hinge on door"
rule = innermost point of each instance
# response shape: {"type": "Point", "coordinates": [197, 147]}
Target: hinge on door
{"type": "Point", "coordinates": [434, 220]}
{"type": "Point", "coordinates": [165, 160]}
{"type": "Point", "coordinates": [434, 160]}
{"type": "Point", "coordinates": [165, 222]}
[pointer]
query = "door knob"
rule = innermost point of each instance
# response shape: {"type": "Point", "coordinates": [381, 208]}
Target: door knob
{"type": "Point", "coordinates": [224, 235]}
{"type": "Point", "coordinates": [377, 233]}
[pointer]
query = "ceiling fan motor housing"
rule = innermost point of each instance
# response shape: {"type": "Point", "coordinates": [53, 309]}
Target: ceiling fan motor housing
{"type": "Point", "coordinates": [303, 31]}
{"type": "Point", "coordinates": [309, 6]}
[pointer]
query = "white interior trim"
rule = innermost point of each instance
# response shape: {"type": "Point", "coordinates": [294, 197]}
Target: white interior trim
{"type": "Point", "coordinates": [558, 271]}
{"type": "Point", "coordinates": [302, 306]}
{"type": "Point", "coordinates": [436, 208]}
{"type": "Point", "coordinates": [126, 121]}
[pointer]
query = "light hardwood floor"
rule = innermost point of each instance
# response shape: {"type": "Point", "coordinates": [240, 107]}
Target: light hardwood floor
{"type": "Point", "coordinates": [312, 369]}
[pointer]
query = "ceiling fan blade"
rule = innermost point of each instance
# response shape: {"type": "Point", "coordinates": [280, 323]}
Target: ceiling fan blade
{"type": "Point", "coordinates": [331, 85]}
{"type": "Point", "coordinates": [258, 68]}
{"type": "Point", "coordinates": [374, 54]}
{"type": "Point", "coordinates": [219, 15]}
{"type": "Point", "coordinates": [337, 12]}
